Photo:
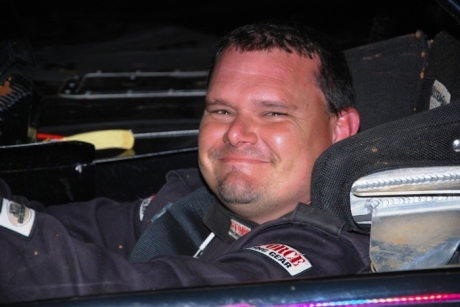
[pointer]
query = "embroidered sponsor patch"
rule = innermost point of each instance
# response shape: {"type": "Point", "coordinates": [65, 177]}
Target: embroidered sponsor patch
{"type": "Point", "coordinates": [237, 230]}
{"type": "Point", "coordinates": [439, 95]}
{"type": "Point", "coordinates": [287, 257]}
{"type": "Point", "coordinates": [17, 217]}
{"type": "Point", "coordinates": [145, 203]}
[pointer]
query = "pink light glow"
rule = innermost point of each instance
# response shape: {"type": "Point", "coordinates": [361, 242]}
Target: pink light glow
{"type": "Point", "coordinates": [400, 300]}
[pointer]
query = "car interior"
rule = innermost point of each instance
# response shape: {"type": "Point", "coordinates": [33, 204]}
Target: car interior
{"type": "Point", "coordinates": [397, 180]}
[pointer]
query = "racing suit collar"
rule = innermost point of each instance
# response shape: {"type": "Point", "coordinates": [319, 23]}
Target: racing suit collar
{"type": "Point", "coordinates": [225, 224]}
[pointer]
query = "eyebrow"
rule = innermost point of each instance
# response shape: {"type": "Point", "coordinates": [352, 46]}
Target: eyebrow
{"type": "Point", "coordinates": [275, 104]}
{"type": "Point", "coordinates": [215, 102]}
{"type": "Point", "coordinates": [258, 103]}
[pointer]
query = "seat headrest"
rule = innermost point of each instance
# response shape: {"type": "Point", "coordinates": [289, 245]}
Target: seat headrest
{"type": "Point", "coordinates": [388, 78]}
{"type": "Point", "coordinates": [424, 139]}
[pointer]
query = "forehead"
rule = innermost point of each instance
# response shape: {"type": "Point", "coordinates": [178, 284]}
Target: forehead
{"type": "Point", "coordinates": [274, 69]}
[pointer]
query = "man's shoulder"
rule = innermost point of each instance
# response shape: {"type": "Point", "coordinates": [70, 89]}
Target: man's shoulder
{"type": "Point", "coordinates": [317, 218]}
{"type": "Point", "coordinates": [314, 233]}
{"type": "Point", "coordinates": [330, 225]}
{"type": "Point", "coordinates": [300, 246]}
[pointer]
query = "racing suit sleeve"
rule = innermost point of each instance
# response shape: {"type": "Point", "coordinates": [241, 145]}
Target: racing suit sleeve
{"type": "Point", "coordinates": [39, 259]}
{"type": "Point", "coordinates": [113, 225]}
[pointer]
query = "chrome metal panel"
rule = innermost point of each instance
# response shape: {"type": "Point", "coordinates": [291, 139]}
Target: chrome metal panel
{"type": "Point", "coordinates": [414, 213]}
{"type": "Point", "coordinates": [410, 181]}
{"type": "Point", "coordinates": [414, 241]}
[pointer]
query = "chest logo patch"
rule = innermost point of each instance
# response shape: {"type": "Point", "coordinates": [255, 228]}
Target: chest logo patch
{"type": "Point", "coordinates": [287, 257]}
{"type": "Point", "coordinates": [17, 217]}
{"type": "Point", "coordinates": [237, 230]}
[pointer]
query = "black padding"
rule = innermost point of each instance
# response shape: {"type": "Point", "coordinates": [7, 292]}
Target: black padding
{"type": "Point", "coordinates": [388, 78]}
{"type": "Point", "coordinates": [424, 139]}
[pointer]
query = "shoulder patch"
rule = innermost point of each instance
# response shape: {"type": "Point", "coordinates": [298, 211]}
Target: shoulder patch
{"type": "Point", "coordinates": [145, 203]}
{"type": "Point", "coordinates": [287, 257]}
{"type": "Point", "coordinates": [439, 95]}
{"type": "Point", "coordinates": [17, 217]}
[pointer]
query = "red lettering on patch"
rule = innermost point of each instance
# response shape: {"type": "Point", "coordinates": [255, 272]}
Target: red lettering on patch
{"type": "Point", "coordinates": [287, 252]}
{"type": "Point", "coordinates": [287, 257]}
{"type": "Point", "coordinates": [237, 229]}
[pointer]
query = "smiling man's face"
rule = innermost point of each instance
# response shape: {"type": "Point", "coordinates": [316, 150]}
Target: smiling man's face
{"type": "Point", "coordinates": [264, 125]}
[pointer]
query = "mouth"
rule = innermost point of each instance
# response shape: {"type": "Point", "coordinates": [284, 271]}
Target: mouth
{"type": "Point", "coordinates": [247, 156]}
{"type": "Point", "coordinates": [242, 160]}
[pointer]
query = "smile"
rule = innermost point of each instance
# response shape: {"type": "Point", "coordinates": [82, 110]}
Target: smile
{"type": "Point", "coordinates": [246, 160]}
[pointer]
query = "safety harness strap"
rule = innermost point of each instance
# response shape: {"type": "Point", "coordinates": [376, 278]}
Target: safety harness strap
{"type": "Point", "coordinates": [176, 230]}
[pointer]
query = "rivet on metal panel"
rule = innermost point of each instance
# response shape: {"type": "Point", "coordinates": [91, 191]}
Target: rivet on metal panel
{"type": "Point", "coordinates": [456, 145]}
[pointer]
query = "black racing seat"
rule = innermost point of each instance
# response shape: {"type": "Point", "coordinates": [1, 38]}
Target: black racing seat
{"type": "Point", "coordinates": [400, 181]}
{"type": "Point", "coordinates": [415, 149]}
{"type": "Point", "coordinates": [388, 78]}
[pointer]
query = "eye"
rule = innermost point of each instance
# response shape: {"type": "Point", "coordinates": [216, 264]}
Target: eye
{"type": "Point", "coordinates": [221, 112]}
{"type": "Point", "coordinates": [275, 114]}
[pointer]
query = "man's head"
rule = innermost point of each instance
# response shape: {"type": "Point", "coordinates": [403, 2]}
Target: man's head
{"type": "Point", "coordinates": [278, 96]}
{"type": "Point", "coordinates": [333, 77]}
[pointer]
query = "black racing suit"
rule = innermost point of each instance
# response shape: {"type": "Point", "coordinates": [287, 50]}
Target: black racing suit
{"type": "Point", "coordinates": [83, 248]}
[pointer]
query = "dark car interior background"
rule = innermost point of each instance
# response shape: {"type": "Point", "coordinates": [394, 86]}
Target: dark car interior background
{"type": "Point", "coordinates": [140, 67]}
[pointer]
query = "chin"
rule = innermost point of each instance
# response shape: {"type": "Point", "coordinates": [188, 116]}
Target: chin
{"type": "Point", "coordinates": [237, 188]}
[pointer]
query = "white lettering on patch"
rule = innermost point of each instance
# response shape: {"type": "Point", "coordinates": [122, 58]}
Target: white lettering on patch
{"type": "Point", "coordinates": [17, 217]}
{"type": "Point", "coordinates": [237, 230]}
{"type": "Point", "coordinates": [439, 95]}
{"type": "Point", "coordinates": [287, 257]}
{"type": "Point", "coordinates": [145, 203]}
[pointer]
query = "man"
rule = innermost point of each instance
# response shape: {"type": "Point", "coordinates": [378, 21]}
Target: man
{"type": "Point", "coordinates": [278, 96]}
{"type": "Point", "coordinates": [266, 121]}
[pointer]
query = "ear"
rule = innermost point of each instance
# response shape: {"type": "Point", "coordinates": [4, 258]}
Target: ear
{"type": "Point", "coordinates": [347, 124]}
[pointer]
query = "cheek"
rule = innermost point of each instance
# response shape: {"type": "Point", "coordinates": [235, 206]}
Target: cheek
{"type": "Point", "coordinates": [285, 138]}
{"type": "Point", "coordinates": [295, 146]}
{"type": "Point", "coordinates": [278, 141]}
{"type": "Point", "coordinates": [211, 135]}
{"type": "Point", "coordinates": [205, 139]}
{"type": "Point", "coordinates": [283, 141]}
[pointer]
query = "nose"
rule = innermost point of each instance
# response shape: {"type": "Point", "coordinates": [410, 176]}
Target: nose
{"type": "Point", "coordinates": [240, 132]}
